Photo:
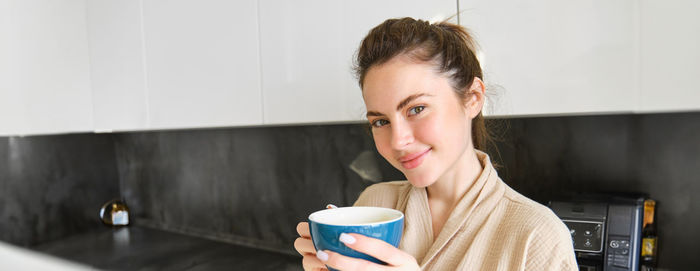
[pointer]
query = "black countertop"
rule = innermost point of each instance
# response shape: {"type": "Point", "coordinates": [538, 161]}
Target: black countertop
{"type": "Point", "coordinates": [137, 248]}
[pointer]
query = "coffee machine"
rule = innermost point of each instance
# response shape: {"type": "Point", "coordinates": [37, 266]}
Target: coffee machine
{"type": "Point", "coordinates": [606, 230]}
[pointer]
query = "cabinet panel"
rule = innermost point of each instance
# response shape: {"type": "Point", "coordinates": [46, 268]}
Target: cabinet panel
{"type": "Point", "coordinates": [202, 63]}
{"type": "Point", "coordinates": [11, 116]}
{"type": "Point", "coordinates": [670, 59]}
{"type": "Point", "coordinates": [116, 63]}
{"type": "Point", "coordinates": [307, 50]}
{"type": "Point", "coordinates": [556, 57]}
{"type": "Point", "coordinates": [45, 70]}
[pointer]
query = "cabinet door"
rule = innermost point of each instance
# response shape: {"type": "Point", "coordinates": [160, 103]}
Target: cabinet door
{"type": "Point", "coordinates": [116, 65]}
{"type": "Point", "coordinates": [202, 63]}
{"type": "Point", "coordinates": [670, 59]}
{"type": "Point", "coordinates": [307, 50]}
{"type": "Point", "coordinates": [45, 77]}
{"type": "Point", "coordinates": [556, 57]}
{"type": "Point", "coordinates": [11, 115]}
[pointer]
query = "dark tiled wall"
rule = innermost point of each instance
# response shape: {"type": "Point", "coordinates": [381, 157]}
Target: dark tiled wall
{"type": "Point", "coordinates": [658, 154]}
{"type": "Point", "coordinates": [54, 186]}
{"type": "Point", "coordinates": [245, 185]}
{"type": "Point", "coordinates": [252, 185]}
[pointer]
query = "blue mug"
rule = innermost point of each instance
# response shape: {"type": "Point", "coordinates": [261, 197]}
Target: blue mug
{"type": "Point", "coordinates": [376, 222]}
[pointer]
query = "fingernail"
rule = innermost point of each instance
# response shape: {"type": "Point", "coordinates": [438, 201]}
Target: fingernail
{"type": "Point", "coordinates": [322, 255]}
{"type": "Point", "coordinates": [347, 238]}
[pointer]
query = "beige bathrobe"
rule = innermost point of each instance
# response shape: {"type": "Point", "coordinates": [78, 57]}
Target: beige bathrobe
{"type": "Point", "coordinates": [491, 228]}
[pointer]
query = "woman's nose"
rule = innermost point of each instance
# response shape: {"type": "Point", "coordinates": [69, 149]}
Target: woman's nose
{"type": "Point", "coordinates": [402, 135]}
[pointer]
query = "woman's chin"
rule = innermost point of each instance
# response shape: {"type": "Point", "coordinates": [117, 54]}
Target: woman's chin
{"type": "Point", "coordinates": [420, 182]}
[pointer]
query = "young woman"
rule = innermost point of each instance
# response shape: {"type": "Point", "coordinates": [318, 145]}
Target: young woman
{"type": "Point", "coordinates": [422, 85]}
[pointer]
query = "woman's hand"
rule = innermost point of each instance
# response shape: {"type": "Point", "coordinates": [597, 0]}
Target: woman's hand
{"type": "Point", "coordinates": [305, 247]}
{"type": "Point", "coordinates": [394, 257]}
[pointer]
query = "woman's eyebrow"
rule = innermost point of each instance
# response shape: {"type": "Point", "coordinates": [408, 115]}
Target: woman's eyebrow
{"type": "Point", "coordinates": [374, 114]}
{"type": "Point", "coordinates": [401, 105]}
{"type": "Point", "coordinates": [408, 99]}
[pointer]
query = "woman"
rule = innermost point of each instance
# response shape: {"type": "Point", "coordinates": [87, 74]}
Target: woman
{"type": "Point", "coordinates": [422, 85]}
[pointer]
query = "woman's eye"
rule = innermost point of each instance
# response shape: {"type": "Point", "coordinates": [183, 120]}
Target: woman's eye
{"type": "Point", "coordinates": [415, 110]}
{"type": "Point", "coordinates": [380, 123]}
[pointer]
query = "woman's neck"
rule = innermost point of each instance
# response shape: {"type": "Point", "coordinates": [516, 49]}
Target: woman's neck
{"type": "Point", "coordinates": [456, 181]}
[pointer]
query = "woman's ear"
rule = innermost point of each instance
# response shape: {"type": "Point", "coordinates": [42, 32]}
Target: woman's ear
{"type": "Point", "coordinates": [475, 98]}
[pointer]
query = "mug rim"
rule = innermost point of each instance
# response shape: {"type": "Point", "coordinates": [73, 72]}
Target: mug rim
{"type": "Point", "coordinates": [401, 215]}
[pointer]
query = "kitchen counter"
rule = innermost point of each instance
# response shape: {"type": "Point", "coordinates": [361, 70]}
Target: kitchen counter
{"type": "Point", "coordinates": [137, 248]}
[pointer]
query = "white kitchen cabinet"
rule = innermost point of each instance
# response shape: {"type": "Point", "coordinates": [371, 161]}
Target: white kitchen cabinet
{"type": "Point", "coordinates": [556, 57]}
{"type": "Point", "coordinates": [44, 69]}
{"type": "Point", "coordinates": [201, 63]}
{"type": "Point", "coordinates": [670, 56]}
{"type": "Point", "coordinates": [174, 64]}
{"type": "Point", "coordinates": [80, 66]}
{"type": "Point", "coordinates": [117, 65]}
{"type": "Point", "coordinates": [307, 49]}
{"type": "Point", "coordinates": [10, 109]}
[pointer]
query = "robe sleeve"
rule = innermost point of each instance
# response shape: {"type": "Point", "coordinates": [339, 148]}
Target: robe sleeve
{"type": "Point", "coordinates": [379, 195]}
{"type": "Point", "coordinates": [550, 247]}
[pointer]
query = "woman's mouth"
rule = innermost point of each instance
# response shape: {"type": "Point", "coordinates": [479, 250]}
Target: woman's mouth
{"type": "Point", "coordinates": [414, 160]}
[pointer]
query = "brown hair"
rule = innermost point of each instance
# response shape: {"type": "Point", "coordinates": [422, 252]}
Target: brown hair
{"type": "Point", "coordinates": [448, 46]}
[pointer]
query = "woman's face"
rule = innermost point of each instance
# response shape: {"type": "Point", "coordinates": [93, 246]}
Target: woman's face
{"type": "Point", "coordinates": [419, 125]}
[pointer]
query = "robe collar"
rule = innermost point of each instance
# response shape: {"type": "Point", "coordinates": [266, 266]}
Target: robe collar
{"type": "Point", "coordinates": [486, 191]}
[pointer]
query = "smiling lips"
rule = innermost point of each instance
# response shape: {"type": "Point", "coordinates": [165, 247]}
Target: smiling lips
{"type": "Point", "coordinates": [413, 160]}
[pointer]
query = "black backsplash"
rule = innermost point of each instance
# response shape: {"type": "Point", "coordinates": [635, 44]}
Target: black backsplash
{"type": "Point", "coordinates": [655, 154]}
{"type": "Point", "coordinates": [53, 186]}
{"type": "Point", "coordinates": [245, 185]}
{"type": "Point", "coordinates": [252, 185]}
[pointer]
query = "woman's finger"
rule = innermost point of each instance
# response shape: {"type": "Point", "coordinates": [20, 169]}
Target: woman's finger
{"type": "Point", "coordinates": [376, 248]}
{"type": "Point", "coordinates": [310, 262]}
{"type": "Point", "coordinates": [304, 246]}
{"type": "Point", "coordinates": [342, 262]}
{"type": "Point", "coordinates": [303, 229]}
